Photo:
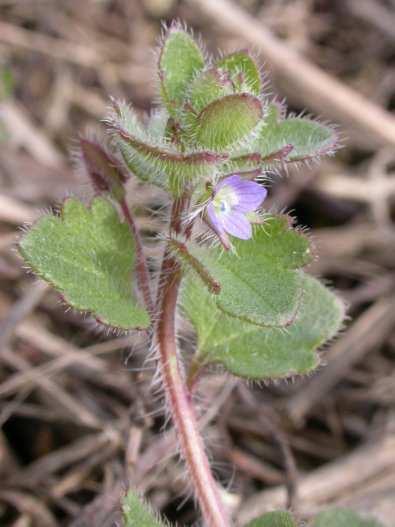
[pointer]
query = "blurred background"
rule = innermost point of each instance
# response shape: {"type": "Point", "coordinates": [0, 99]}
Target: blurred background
{"type": "Point", "coordinates": [78, 417]}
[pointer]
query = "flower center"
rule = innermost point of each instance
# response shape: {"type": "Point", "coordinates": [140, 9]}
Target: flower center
{"type": "Point", "coordinates": [225, 199]}
{"type": "Point", "coordinates": [223, 206]}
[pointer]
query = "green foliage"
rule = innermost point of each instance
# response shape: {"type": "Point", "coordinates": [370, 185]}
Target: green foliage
{"type": "Point", "coordinates": [189, 262]}
{"type": "Point", "coordinates": [309, 139]}
{"type": "Point", "coordinates": [180, 60]}
{"type": "Point", "coordinates": [88, 255]}
{"type": "Point", "coordinates": [273, 519]}
{"type": "Point", "coordinates": [342, 518]}
{"type": "Point", "coordinates": [250, 351]}
{"type": "Point", "coordinates": [157, 124]}
{"type": "Point", "coordinates": [260, 282]}
{"type": "Point", "coordinates": [153, 159]}
{"type": "Point", "coordinates": [136, 513]}
{"type": "Point", "coordinates": [331, 518]}
{"type": "Point", "coordinates": [253, 308]}
{"type": "Point", "coordinates": [226, 121]}
{"type": "Point", "coordinates": [242, 71]}
{"type": "Point", "coordinates": [233, 74]}
{"type": "Point", "coordinates": [206, 88]}
{"type": "Point", "coordinates": [222, 107]}
{"type": "Point", "coordinates": [123, 120]}
{"type": "Point", "coordinates": [213, 119]}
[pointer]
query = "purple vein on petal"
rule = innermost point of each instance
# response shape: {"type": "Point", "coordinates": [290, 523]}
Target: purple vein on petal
{"type": "Point", "coordinates": [237, 225]}
{"type": "Point", "coordinates": [249, 193]}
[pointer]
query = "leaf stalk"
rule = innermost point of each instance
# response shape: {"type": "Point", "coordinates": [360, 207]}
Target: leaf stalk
{"type": "Point", "coordinates": [141, 265]}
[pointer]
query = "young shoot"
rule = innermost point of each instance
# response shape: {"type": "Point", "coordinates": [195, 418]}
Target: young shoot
{"type": "Point", "coordinates": [235, 270]}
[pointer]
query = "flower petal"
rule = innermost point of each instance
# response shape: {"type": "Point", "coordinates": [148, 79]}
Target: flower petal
{"type": "Point", "coordinates": [249, 193]}
{"type": "Point", "coordinates": [214, 218]}
{"type": "Point", "coordinates": [229, 180]}
{"type": "Point", "coordinates": [217, 226]}
{"type": "Point", "coordinates": [237, 225]}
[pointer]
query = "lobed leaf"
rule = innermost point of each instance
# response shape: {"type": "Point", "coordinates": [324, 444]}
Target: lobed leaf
{"type": "Point", "coordinates": [273, 519]}
{"type": "Point", "coordinates": [309, 139]}
{"type": "Point", "coordinates": [180, 60]}
{"type": "Point", "coordinates": [250, 351]}
{"type": "Point", "coordinates": [342, 518]}
{"type": "Point", "coordinates": [210, 85]}
{"type": "Point", "coordinates": [157, 161]}
{"type": "Point", "coordinates": [236, 73]}
{"type": "Point", "coordinates": [124, 117]}
{"type": "Point", "coordinates": [242, 71]}
{"type": "Point", "coordinates": [180, 169]}
{"type": "Point", "coordinates": [136, 513]}
{"type": "Point", "coordinates": [259, 282]}
{"type": "Point", "coordinates": [89, 256]}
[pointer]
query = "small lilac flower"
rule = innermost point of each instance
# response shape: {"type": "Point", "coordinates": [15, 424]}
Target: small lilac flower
{"type": "Point", "coordinates": [233, 198]}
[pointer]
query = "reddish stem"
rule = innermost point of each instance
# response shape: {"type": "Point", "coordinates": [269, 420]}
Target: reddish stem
{"type": "Point", "coordinates": [177, 393]}
{"type": "Point", "coordinates": [179, 399]}
{"type": "Point", "coordinates": [141, 266]}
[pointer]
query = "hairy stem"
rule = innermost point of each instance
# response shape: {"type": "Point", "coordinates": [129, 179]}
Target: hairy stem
{"type": "Point", "coordinates": [141, 266]}
{"type": "Point", "coordinates": [179, 399]}
{"type": "Point", "coordinates": [177, 392]}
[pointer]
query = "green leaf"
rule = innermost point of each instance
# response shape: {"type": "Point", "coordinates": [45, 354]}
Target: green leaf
{"type": "Point", "coordinates": [89, 256]}
{"type": "Point", "coordinates": [310, 139]}
{"type": "Point", "coordinates": [207, 87]}
{"type": "Point", "coordinates": [259, 282]}
{"type": "Point", "coordinates": [157, 123]}
{"type": "Point", "coordinates": [273, 519]}
{"type": "Point", "coordinates": [276, 111]}
{"type": "Point", "coordinates": [233, 74]}
{"type": "Point", "coordinates": [124, 117]}
{"type": "Point", "coordinates": [226, 121]}
{"type": "Point", "coordinates": [247, 350]}
{"type": "Point", "coordinates": [250, 161]}
{"type": "Point", "coordinates": [243, 72]}
{"type": "Point", "coordinates": [342, 518]}
{"type": "Point", "coordinates": [180, 169]}
{"type": "Point", "coordinates": [189, 262]}
{"type": "Point", "coordinates": [180, 60]}
{"type": "Point", "coordinates": [154, 160]}
{"type": "Point", "coordinates": [136, 513]}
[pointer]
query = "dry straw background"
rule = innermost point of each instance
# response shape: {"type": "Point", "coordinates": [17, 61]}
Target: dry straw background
{"type": "Point", "coordinates": [78, 417]}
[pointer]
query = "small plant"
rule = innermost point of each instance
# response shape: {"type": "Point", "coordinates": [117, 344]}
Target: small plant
{"type": "Point", "coordinates": [138, 513]}
{"type": "Point", "coordinates": [230, 267]}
